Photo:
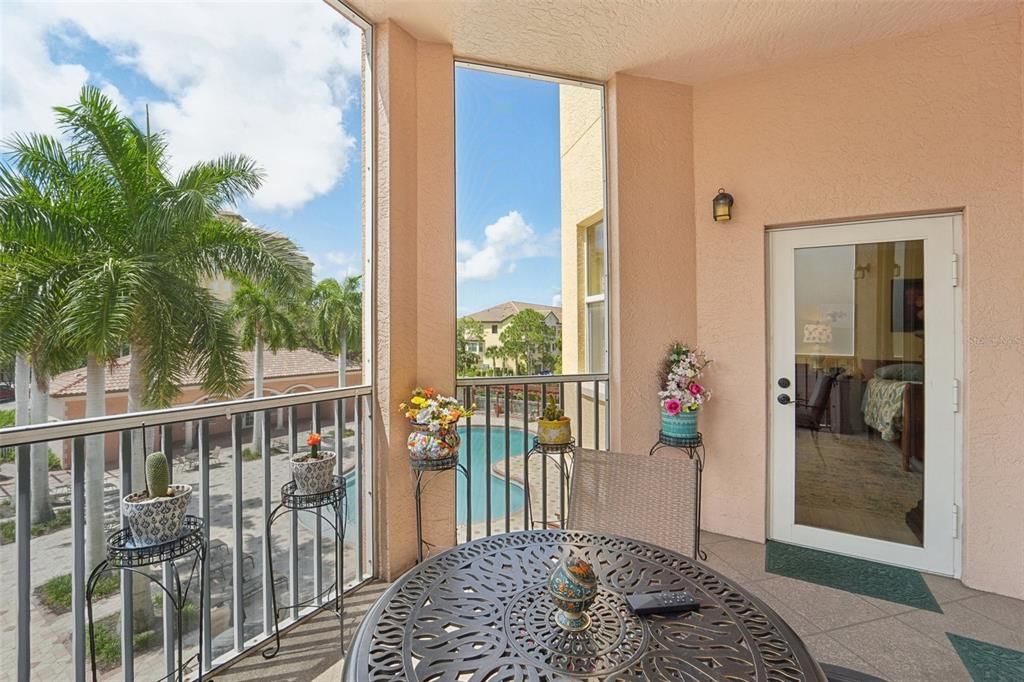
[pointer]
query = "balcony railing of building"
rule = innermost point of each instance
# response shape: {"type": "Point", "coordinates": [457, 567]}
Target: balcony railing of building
{"type": "Point", "coordinates": [510, 488]}
{"type": "Point", "coordinates": [236, 483]}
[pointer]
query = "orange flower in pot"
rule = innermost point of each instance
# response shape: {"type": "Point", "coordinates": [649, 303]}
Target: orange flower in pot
{"type": "Point", "coordinates": [313, 471]}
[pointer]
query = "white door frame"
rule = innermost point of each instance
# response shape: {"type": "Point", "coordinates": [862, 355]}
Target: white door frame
{"type": "Point", "coordinates": [943, 552]}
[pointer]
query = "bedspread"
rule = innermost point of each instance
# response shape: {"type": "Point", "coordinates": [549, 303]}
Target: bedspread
{"type": "Point", "coordinates": [883, 406]}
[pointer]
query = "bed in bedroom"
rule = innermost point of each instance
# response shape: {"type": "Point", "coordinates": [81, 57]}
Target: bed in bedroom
{"type": "Point", "coordinates": [893, 407]}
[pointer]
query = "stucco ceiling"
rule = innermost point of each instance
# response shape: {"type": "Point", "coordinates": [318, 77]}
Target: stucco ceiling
{"type": "Point", "coordinates": [679, 40]}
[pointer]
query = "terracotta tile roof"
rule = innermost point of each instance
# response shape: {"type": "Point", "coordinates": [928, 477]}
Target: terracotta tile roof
{"type": "Point", "coordinates": [503, 311]}
{"type": "Point", "coordinates": [285, 363]}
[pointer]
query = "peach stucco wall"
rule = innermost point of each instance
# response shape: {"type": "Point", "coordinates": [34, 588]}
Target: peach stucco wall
{"type": "Point", "coordinates": [651, 246]}
{"type": "Point", "coordinates": [415, 293]}
{"type": "Point", "coordinates": [916, 124]}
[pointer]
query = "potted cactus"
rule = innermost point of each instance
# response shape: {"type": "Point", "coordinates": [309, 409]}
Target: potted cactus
{"type": "Point", "coordinates": [157, 514]}
{"type": "Point", "coordinates": [554, 428]}
{"type": "Point", "coordinates": [312, 471]}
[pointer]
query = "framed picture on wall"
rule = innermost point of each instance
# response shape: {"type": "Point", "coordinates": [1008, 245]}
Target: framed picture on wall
{"type": "Point", "coordinates": [908, 305]}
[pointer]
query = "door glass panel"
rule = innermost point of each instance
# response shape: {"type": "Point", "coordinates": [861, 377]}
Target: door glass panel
{"type": "Point", "coordinates": [858, 386]}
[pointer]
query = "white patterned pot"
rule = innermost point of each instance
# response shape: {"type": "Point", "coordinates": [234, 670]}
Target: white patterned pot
{"type": "Point", "coordinates": [315, 475]}
{"type": "Point", "coordinates": [156, 520]}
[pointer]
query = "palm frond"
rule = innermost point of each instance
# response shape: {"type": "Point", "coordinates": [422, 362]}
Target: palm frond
{"type": "Point", "coordinates": [224, 246]}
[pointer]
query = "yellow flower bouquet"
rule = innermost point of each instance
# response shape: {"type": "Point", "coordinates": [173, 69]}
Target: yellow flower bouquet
{"type": "Point", "coordinates": [434, 442]}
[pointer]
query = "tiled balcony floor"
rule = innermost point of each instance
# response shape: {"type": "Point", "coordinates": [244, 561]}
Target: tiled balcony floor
{"type": "Point", "coordinates": [892, 641]}
{"type": "Point", "coordinates": [889, 640]}
{"type": "Point", "coordinates": [310, 651]}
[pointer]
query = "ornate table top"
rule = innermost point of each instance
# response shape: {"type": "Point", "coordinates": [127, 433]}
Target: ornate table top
{"type": "Point", "coordinates": [481, 611]}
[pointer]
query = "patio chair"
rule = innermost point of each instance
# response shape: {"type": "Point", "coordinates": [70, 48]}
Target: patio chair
{"type": "Point", "coordinates": [810, 412]}
{"type": "Point", "coordinates": [646, 497]}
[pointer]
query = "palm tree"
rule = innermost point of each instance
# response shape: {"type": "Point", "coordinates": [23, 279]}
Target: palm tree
{"type": "Point", "coordinates": [494, 353]}
{"type": "Point", "coordinates": [338, 315]}
{"type": "Point", "coordinates": [126, 251]}
{"type": "Point", "coordinates": [163, 238]}
{"type": "Point", "coordinates": [43, 194]}
{"type": "Point", "coordinates": [265, 319]}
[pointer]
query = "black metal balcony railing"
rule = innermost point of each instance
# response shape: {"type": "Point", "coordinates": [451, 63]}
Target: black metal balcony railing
{"type": "Point", "coordinates": [513, 489]}
{"type": "Point", "coordinates": [235, 487]}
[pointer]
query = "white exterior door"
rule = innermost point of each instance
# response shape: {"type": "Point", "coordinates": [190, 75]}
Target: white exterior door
{"type": "Point", "coordinates": [864, 395]}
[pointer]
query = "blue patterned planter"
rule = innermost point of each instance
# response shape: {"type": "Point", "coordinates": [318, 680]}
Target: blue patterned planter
{"type": "Point", "coordinates": [682, 425]}
{"type": "Point", "coordinates": [573, 589]}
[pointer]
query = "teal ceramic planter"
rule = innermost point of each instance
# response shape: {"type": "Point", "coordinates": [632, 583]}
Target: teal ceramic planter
{"type": "Point", "coordinates": [682, 425]}
{"type": "Point", "coordinates": [573, 589]}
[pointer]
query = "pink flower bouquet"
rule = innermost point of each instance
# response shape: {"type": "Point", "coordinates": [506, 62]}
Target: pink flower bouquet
{"type": "Point", "coordinates": [681, 392]}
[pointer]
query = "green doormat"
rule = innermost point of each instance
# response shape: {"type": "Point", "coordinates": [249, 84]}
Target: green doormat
{"type": "Point", "coordinates": [988, 662]}
{"type": "Point", "coordinates": [899, 585]}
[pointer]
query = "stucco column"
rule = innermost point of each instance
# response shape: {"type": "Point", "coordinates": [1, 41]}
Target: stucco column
{"type": "Point", "coordinates": [415, 277]}
{"type": "Point", "coordinates": [651, 246]}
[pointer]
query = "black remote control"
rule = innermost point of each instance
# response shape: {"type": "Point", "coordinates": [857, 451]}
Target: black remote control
{"type": "Point", "coordinates": [662, 602]}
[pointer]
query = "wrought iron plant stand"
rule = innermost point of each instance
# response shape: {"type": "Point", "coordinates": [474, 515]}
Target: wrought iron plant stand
{"type": "Point", "coordinates": [292, 502]}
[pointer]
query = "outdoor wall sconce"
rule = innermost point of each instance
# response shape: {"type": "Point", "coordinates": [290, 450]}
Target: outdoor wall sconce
{"type": "Point", "coordinates": [722, 205]}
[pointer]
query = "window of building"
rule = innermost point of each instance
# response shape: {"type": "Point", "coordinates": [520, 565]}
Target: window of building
{"type": "Point", "coordinates": [596, 317]}
{"type": "Point", "coordinates": [494, 329]}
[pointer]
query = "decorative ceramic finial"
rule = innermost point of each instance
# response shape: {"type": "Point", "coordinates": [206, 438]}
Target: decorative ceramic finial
{"type": "Point", "coordinates": [573, 588]}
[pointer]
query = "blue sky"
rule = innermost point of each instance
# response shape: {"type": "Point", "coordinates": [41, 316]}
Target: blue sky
{"type": "Point", "coordinates": [507, 189]}
{"type": "Point", "coordinates": [216, 81]}
{"type": "Point", "coordinates": [220, 81]}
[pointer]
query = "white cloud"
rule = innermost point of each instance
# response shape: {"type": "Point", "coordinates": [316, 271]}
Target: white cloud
{"type": "Point", "coordinates": [30, 82]}
{"type": "Point", "coordinates": [336, 264]}
{"type": "Point", "coordinates": [265, 79]}
{"type": "Point", "coordinates": [506, 240]}
{"type": "Point", "coordinates": [556, 300]}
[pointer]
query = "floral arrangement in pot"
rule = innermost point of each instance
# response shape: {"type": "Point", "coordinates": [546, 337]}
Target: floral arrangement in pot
{"type": "Point", "coordinates": [156, 515]}
{"type": "Point", "coordinates": [682, 395]}
{"type": "Point", "coordinates": [553, 428]}
{"type": "Point", "coordinates": [434, 442]}
{"type": "Point", "coordinates": [313, 471]}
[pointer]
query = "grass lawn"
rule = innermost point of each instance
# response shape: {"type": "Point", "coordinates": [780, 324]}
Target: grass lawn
{"type": "Point", "coordinates": [55, 593]}
{"type": "Point", "coordinates": [61, 519]}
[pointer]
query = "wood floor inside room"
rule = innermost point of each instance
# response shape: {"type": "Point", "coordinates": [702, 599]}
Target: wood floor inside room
{"type": "Point", "coordinates": [854, 484]}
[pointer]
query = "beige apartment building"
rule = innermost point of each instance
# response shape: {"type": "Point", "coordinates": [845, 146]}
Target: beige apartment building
{"type": "Point", "coordinates": [584, 261]}
{"type": "Point", "coordinates": [496, 319]}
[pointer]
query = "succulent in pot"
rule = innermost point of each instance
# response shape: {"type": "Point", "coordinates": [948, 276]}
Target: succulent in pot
{"type": "Point", "coordinates": [554, 428]}
{"type": "Point", "coordinates": [313, 471]}
{"type": "Point", "coordinates": [156, 515]}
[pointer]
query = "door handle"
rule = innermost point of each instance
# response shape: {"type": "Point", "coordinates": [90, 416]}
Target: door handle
{"type": "Point", "coordinates": [784, 399]}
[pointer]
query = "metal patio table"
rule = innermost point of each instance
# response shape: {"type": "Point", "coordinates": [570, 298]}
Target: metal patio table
{"type": "Point", "coordinates": [481, 611]}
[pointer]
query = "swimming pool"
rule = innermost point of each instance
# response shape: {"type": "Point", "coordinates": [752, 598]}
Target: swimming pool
{"type": "Point", "coordinates": [481, 477]}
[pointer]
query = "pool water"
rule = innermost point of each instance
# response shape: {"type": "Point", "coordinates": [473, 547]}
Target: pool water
{"type": "Point", "coordinates": [481, 476]}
